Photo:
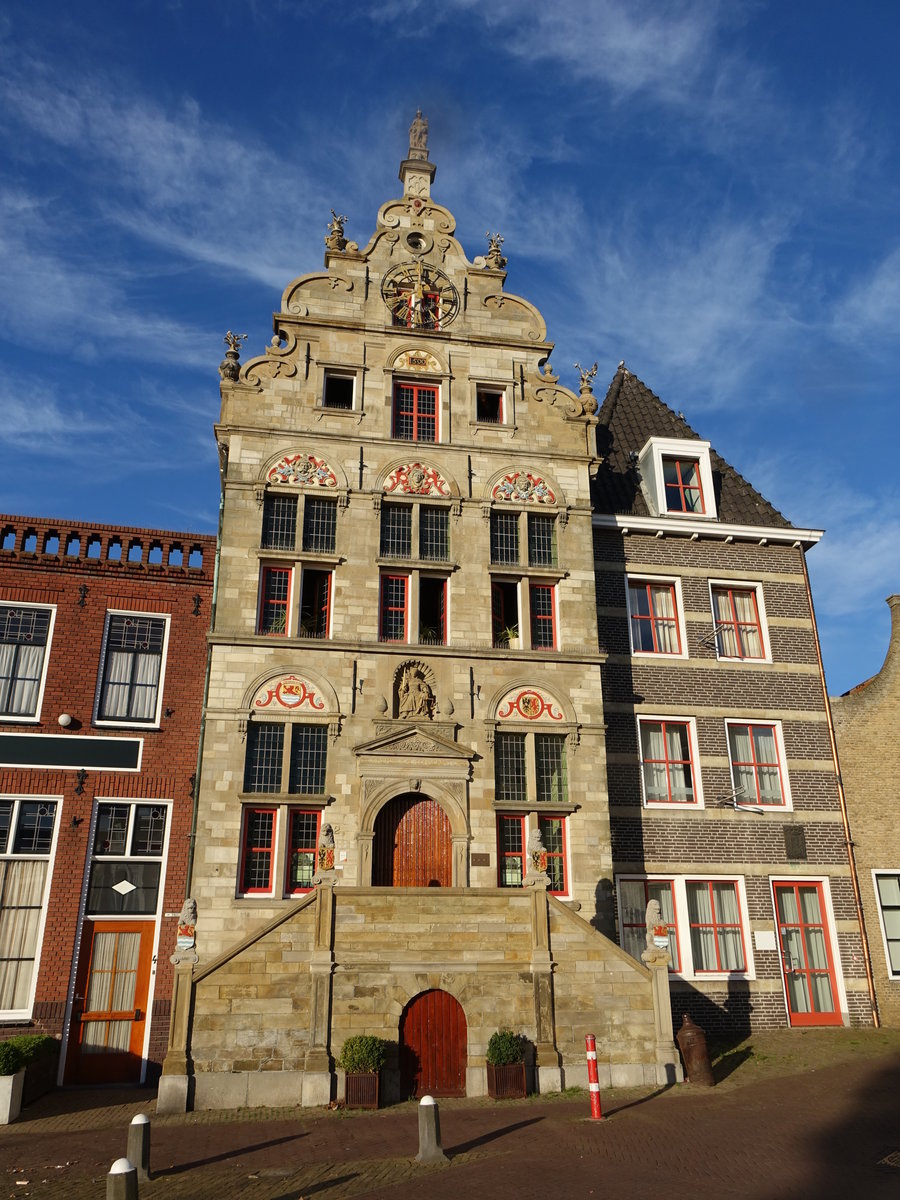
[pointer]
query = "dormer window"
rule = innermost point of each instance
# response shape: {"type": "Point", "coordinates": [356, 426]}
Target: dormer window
{"type": "Point", "coordinates": [676, 477]}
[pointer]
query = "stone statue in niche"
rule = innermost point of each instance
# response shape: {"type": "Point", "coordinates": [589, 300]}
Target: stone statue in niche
{"type": "Point", "coordinates": [414, 696]}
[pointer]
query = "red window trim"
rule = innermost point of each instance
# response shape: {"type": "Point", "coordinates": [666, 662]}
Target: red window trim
{"type": "Point", "coordinates": [735, 624]}
{"type": "Point", "coordinates": [245, 848]}
{"type": "Point", "coordinates": [546, 818]}
{"type": "Point", "coordinates": [683, 487]}
{"type": "Point", "coordinates": [414, 413]}
{"type": "Point", "coordinates": [292, 812]}
{"type": "Point", "coordinates": [653, 617]}
{"type": "Point", "coordinates": [544, 621]}
{"type": "Point", "coordinates": [393, 608]}
{"type": "Point", "coordinates": [503, 855]}
{"type": "Point", "coordinates": [811, 1018]}
{"type": "Point", "coordinates": [715, 924]}
{"type": "Point", "coordinates": [755, 764]}
{"type": "Point", "coordinates": [672, 926]}
{"type": "Point", "coordinates": [285, 604]}
{"type": "Point", "coordinates": [666, 761]}
{"type": "Point", "coordinates": [328, 590]}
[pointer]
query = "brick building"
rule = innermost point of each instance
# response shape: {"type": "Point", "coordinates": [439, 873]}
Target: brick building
{"type": "Point", "coordinates": [102, 661]}
{"type": "Point", "coordinates": [724, 804]}
{"type": "Point", "coordinates": [865, 722]}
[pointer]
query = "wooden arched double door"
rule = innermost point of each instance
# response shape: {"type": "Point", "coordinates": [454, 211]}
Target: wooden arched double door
{"type": "Point", "coordinates": [433, 1046]}
{"type": "Point", "coordinates": [412, 846]}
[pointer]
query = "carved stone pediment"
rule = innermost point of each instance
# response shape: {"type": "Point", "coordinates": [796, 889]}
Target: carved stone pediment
{"type": "Point", "coordinates": [412, 741]}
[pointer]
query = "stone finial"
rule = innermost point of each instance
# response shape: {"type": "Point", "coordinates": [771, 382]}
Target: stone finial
{"type": "Point", "coordinates": [416, 172]}
{"type": "Point", "coordinates": [418, 136]}
{"type": "Point", "coordinates": [494, 258]}
{"type": "Point", "coordinates": [230, 366]}
{"type": "Point", "coordinates": [334, 239]}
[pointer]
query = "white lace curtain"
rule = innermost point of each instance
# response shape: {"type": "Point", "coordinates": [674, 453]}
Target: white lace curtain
{"type": "Point", "coordinates": [23, 689]}
{"type": "Point", "coordinates": [131, 683]}
{"type": "Point", "coordinates": [22, 889]}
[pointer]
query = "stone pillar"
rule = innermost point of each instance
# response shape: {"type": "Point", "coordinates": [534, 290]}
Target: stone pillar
{"type": "Point", "coordinates": [547, 1067]}
{"type": "Point", "coordinates": [668, 1064]}
{"type": "Point", "coordinates": [174, 1084]}
{"type": "Point", "coordinates": [317, 1073]}
{"type": "Point", "coordinates": [461, 860]}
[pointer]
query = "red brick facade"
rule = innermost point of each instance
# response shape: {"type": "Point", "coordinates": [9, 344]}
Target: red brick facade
{"type": "Point", "coordinates": [82, 572]}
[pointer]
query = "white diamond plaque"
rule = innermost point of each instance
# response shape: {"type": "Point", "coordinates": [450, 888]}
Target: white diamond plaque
{"type": "Point", "coordinates": [124, 886]}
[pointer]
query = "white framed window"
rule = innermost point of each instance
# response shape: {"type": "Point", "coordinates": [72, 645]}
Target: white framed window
{"type": "Point", "coordinates": [28, 831]}
{"type": "Point", "coordinates": [707, 920]}
{"type": "Point", "coordinates": [26, 631]}
{"type": "Point", "coordinates": [130, 842]}
{"type": "Point", "coordinates": [338, 389]}
{"type": "Point", "coordinates": [676, 478]}
{"type": "Point", "coordinates": [656, 616]}
{"type": "Point", "coordinates": [670, 775]}
{"type": "Point", "coordinates": [756, 755]}
{"type": "Point", "coordinates": [492, 405]}
{"type": "Point", "coordinates": [887, 896]}
{"type": "Point", "coordinates": [132, 669]}
{"type": "Point", "coordinates": [739, 621]}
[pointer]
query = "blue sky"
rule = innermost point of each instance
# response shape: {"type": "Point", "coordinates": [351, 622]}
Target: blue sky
{"type": "Point", "coordinates": [710, 191]}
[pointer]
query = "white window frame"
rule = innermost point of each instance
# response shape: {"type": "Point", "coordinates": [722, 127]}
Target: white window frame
{"type": "Point", "coordinates": [501, 389]}
{"type": "Point", "coordinates": [673, 719]}
{"type": "Point", "coordinates": [124, 722]}
{"type": "Point", "coordinates": [26, 718]}
{"type": "Point", "coordinates": [876, 872]}
{"type": "Point", "coordinates": [659, 581]}
{"type": "Point", "coordinates": [132, 803]}
{"type": "Point", "coordinates": [683, 923]}
{"type": "Point", "coordinates": [17, 1014]}
{"type": "Point", "coordinates": [650, 465]}
{"type": "Point", "coordinates": [825, 883]}
{"type": "Point", "coordinates": [351, 373]}
{"type": "Point", "coordinates": [743, 585]}
{"type": "Point", "coordinates": [744, 801]}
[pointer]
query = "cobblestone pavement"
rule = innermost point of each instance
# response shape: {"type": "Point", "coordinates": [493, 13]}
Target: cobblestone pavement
{"type": "Point", "coordinates": [827, 1133]}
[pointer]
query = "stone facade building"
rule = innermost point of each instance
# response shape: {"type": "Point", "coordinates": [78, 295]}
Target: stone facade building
{"type": "Point", "coordinates": [865, 722]}
{"type": "Point", "coordinates": [102, 659]}
{"type": "Point", "coordinates": [454, 599]}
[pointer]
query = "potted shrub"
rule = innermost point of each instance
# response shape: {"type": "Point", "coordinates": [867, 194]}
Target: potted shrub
{"type": "Point", "coordinates": [40, 1058]}
{"type": "Point", "coordinates": [506, 1065]}
{"type": "Point", "coordinates": [12, 1077]}
{"type": "Point", "coordinates": [361, 1059]}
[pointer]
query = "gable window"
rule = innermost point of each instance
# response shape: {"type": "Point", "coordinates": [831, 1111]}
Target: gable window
{"type": "Point", "coordinates": [274, 601]}
{"type": "Point", "coordinates": [653, 618]}
{"type": "Point", "coordinates": [717, 939]}
{"type": "Point", "coordinates": [392, 623]}
{"type": "Point", "coordinates": [739, 629]}
{"type": "Point", "coordinates": [887, 891]}
{"type": "Point", "coordinates": [279, 527]}
{"type": "Point", "coordinates": [319, 525]}
{"type": "Point", "coordinates": [634, 896]}
{"type": "Point", "coordinates": [303, 843]}
{"type": "Point", "coordinates": [130, 688]}
{"type": "Point", "coordinates": [26, 841]}
{"type": "Point", "coordinates": [415, 412]}
{"type": "Point", "coordinates": [667, 767]}
{"type": "Point", "coordinates": [265, 767]}
{"type": "Point", "coordinates": [756, 764]}
{"type": "Point", "coordinates": [488, 406]}
{"type": "Point", "coordinates": [337, 390]}
{"type": "Point", "coordinates": [24, 637]}
{"type": "Point", "coordinates": [683, 490]}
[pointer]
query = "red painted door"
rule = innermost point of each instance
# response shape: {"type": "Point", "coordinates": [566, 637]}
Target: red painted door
{"type": "Point", "coordinates": [806, 956]}
{"type": "Point", "coordinates": [433, 1046]}
{"type": "Point", "coordinates": [412, 845]}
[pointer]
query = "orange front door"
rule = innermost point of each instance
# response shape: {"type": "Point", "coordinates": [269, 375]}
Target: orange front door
{"type": "Point", "coordinates": [413, 845]}
{"type": "Point", "coordinates": [806, 956]}
{"type": "Point", "coordinates": [110, 1012]}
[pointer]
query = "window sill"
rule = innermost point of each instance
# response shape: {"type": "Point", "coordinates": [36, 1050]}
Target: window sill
{"type": "Point", "coordinates": [321, 556]}
{"type": "Point", "coordinates": [524, 571]}
{"type": "Point", "coordinates": [533, 807]}
{"type": "Point", "coordinates": [311, 799]}
{"type": "Point", "coordinates": [135, 726]}
{"type": "Point", "coordinates": [443, 565]}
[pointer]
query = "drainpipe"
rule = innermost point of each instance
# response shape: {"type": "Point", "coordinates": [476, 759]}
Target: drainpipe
{"type": "Point", "coordinates": [848, 841]}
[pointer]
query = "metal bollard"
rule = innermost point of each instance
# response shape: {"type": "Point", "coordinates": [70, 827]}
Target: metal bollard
{"type": "Point", "coordinates": [430, 1150]}
{"type": "Point", "coordinates": [590, 1045]}
{"type": "Point", "coordinates": [121, 1182]}
{"type": "Point", "coordinates": [139, 1144]}
{"type": "Point", "coordinates": [692, 1042]}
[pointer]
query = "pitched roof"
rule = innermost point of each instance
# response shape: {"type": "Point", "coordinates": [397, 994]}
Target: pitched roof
{"type": "Point", "coordinates": [631, 414]}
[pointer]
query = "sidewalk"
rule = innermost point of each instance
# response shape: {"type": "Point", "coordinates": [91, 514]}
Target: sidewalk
{"type": "Point", "coordinates": [827, 1132]}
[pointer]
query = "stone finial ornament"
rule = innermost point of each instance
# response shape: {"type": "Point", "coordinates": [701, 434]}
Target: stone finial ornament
{"type": "Point", "coordinates": [334, 239]}
{"type": "Point", "coordinates": [230, 366]}
{"type": "Point", "coordinates": [587, 377]}
{"type": "Point", "coordinates": [494, 257]}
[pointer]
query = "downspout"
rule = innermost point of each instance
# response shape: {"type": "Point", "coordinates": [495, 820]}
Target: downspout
{"type": "Point", "coordinates": [842, 799]}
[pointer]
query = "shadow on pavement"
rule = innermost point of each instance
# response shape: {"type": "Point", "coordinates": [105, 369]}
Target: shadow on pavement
{"type": "Point", "coordinates": [314, 1188]}
{"type": "Point", "coordinates": [234, 1152]}
{"type": "Point", "coordinates": [640, 1100]}
{"type": "Point", "coordinates": [452, 1151]}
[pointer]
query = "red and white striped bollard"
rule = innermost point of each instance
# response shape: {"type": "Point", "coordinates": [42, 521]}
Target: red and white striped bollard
{"type": "Point", "coordinates": [590, 1044]}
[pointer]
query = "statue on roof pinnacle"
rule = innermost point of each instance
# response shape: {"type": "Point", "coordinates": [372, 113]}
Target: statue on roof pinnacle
{"type": "Point", "coordinates": [494, 258]}
{"type": "Point", "coordinates": [418, 133]}
{"type": "Point", "coordinates": [230, 366]}
{"type": "Point", "coordinates": [587, 376]}
{"type": "Point", "coordinates": [335, 239]}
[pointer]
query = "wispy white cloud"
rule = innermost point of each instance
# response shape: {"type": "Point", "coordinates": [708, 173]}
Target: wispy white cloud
{"type": "Point", "coordinates": [870, 310]}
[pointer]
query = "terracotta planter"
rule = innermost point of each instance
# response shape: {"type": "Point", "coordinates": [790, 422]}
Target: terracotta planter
{"type": "Point", "coordinates": [506, 1082]}
{"type": "Point", "coordinates": [11, 1096]}
{"type": "Point", "coordinates": [361, 1089]}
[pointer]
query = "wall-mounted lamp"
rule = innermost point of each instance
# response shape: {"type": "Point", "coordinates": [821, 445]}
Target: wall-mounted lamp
{"type": "Point", "coordinates": [168, 712]}
{"type": "Point", "coordinates": [64, 720]}
{"type": "Point", "coordinates": [79, 786]}
{"type": "Point", "coordinates": [76, 821]}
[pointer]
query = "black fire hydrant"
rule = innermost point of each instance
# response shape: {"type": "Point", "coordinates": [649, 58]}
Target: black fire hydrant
{"type": "Point", "coordinates": [692, 1043]}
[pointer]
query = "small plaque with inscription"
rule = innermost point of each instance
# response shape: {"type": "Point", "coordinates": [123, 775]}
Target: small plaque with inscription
{"type": "Point", "coordinates": [481, 860]}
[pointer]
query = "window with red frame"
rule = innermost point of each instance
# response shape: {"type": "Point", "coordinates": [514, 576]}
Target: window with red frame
{"type": "Point", "coordinates": [274, 598]}
{"type": "Point", "coordinates": [415, 412]}
{"type": "Point", "coordinates": [755, 764]}
{"type": "Point", "coordinates": [553, 835]}
{"type": "Point", "coordinates": [392, 623]}
{"type": "Point", "coordinates": [684, 492]}
{"type": "Point", "coordinates": [432, 611]}
{"type": "Point", "coordinates": [653, 612]}
{"type": "Point", "coordinates": [634, 896]}
{"type": "Point", "coordinates": [315, 603]}
{"type": "Point", "coordinates": [738, 627]}
{"type": "Point", "coordinates": [258, 847]}
{"type": "Point", "coordinates": [717, 937]}
{"type": "Point", "coordinates": [510, 851]}
{"type": "Point", "coordinates": [543, 616]}
{"type": "Point", "coordinates": [303, 844]}
{"type": "Point", "coordinates": [666, 765]}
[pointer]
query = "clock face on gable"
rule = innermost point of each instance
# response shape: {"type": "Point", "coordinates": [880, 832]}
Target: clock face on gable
{"type": "Point", "coordinates": [419, 296]}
